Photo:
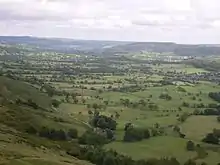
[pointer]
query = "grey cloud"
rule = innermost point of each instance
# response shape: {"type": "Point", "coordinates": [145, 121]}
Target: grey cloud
{"type": "Point", "coordinates": [113, 19]}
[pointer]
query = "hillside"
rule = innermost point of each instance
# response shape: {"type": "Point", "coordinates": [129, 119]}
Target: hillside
{"type": "Point", "coordinates": [14, 89]}
{"type": "Point", "coordinates": [16, 119]}
{"type": "Point", "coordinates": [58, 44]}
{"type": "Point", "coordinates": [160, 47]}
{"type": "Point", "coordinates": [19, 45]}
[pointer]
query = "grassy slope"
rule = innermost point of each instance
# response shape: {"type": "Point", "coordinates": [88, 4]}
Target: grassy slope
{"type": "Point", "coordinates": [164, 146]}
{"type": "Point", "coordinates": [13, 89]}
{"type": "Point", "coordinates": [19, 148]}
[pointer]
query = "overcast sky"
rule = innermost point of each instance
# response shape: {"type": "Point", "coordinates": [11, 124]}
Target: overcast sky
{"type": "Point", "coordinates": [181, 21]}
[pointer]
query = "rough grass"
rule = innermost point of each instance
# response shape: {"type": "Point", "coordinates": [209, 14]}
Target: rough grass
{"type": "Point", "coordinates": [14, 153]}
{"type": "Point", "coordinates": [13, 89]}
{"type": "Point", "coordinates": [158, 147]}
{"type": "Point", "coordinates": [196, 127]}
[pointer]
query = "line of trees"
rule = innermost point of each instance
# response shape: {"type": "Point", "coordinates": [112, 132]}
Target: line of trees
{"type": "Point", "coordinates": [53, 134]}
{"type": "Point", "coordinates": [99, 156]}
{"type": "Point", "coordinates": [215, 96]}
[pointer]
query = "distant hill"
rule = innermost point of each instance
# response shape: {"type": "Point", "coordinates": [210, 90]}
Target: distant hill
{"type": "Point", "coordinates": [160, 47]}
{"type": "Point", "coordinates": [89, 47]}
{"type": "Point", "coordinates": [59, 44]}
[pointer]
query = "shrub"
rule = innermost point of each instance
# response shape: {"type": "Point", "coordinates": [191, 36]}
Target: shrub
{"type": "Point", "coordinates": [52, 134]}
{"type": "Point", "coordinates": [218, 118]}
{"type": "Point", "coordinates": [92, 138]}
{"type": "Point", "coordinates": [136, 134]}
{"type": "Point", "coordinates": [190, 146]}
{"type": "Point", "coordinates": [211, 138]}
{"type": "Point", "coordinates": [55, 103]}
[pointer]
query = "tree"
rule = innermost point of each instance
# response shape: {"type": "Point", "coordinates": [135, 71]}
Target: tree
{"type": "Point", "coordinates": [218, 119]}
{"type": "Point", "coordinates": [103, 122]}
{"type": "Point", "coordinates": [75, 101]}
{"type": "Point", "coordinates": [185, 104]}
{"type": "Point", "coordinates": [136, 134]}
{"type": "Point", "coordinates": [176, 128]}
{"type": "Point", "coordinates": [183, 117]}
{"type": "Point", "coordinates": [216, 132]}
{"type": "Point", "coordinates": [117, 115]}
{"type": "Point", "coordinates": [55, 103]}
{"type": "Point", "coordinates": [109, 160]}
{"type": "Point", "coordinates": [146, 133]}
{"type": "Point", "coordinates": [95, 106]}
{"type": "Point", "coordinates": [83, 101]}
{"type": "Point", "coordinates": [211, 138]}
{"type": "Point", "coordinates": [133, 134]}
{"type": "Point", "coordinates": [190, 146]}
{"type": "Point", "coordinates": [88, 106]}
{"type": "Point", "coordinates": [92, 138]}
{"type": "Point", "coordinates": [106, 102]}
{"type": "Point", "coordinates": [90, 112]}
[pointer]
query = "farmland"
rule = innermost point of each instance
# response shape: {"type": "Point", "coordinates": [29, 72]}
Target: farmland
{"type": "Point", "coordinates": [169, 99]}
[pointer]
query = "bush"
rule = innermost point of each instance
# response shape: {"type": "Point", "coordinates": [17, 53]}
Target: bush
{"type": "Point", "coordinates": [55, 103]}
{"type": "Point", "coordinates": [211, 138]}
{"type": "Point", "coordinates": [52, 134]}
{"type": "Point", "coordinates": [190, 146]}
{"type": "Point", "coordinates": [185, 104]}
{"type": "Point", "coordinates": [136, 134]}
{"type": "Point", "coordinates": [183, 117]}
{"type": "Point", "coordinates": [103, 122]}
{"type": "Point", "coordinates": [218, 118]}
{"type": "Point", "coordinates": [165, 96]}
{"type": "Point", "coordinates": [92, 138]}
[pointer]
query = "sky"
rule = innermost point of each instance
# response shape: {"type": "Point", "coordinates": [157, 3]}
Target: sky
{"type": "Point", "coordinates": [180, 21]}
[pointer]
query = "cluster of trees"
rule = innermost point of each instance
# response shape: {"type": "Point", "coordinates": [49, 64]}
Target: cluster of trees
{"type": "Point", "coordinates": [29, 102]}
{"type": "Point", "coordinates": [181, 89]}
{"type": "Point", "coordinates": [55, 103]}
{"type": "Point", "coordinates": [95, 106]}
{"type": "Point", "coordinates": [183, 117]}
{"type": "Point", "coordinates": [208, 112]}
{"type": "Point", "coordinates": [99, 156]}
{"type": "Point", "coordinates": [212, 138]}
{"type": "Point", "coordinates": [91, 137]}
{"type": "Point", "coordinates": [103, 122]}
{"type": "Point", "coordinates": [165, 96]}
{"type": "Point", "coordinates": [177, 130]}
{"type": "Point", "coordinates": [134, 88]}
{"type": "Point", "coordinates": [139, 104]}
{"type": "Point", "coordinates": [133, 134]}
{"type": "Point", "coordinates": [218, 119]}
{"type": "Point", "coordinates": [53, 134]}
{"type": "Point", "coordinates": [136, 134]}
{"type": "Point", "coordinates": [215, 96]}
